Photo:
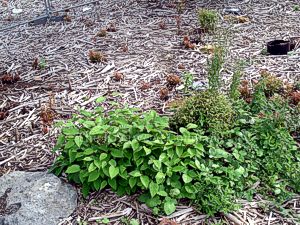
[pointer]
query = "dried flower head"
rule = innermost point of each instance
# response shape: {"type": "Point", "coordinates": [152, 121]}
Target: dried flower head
{"type": "Point", "coordinates": [173, 80]}
{"type": "Point", "coordinates": [163, 93]}
{"type": "Point", "coordinates": [118, 76]}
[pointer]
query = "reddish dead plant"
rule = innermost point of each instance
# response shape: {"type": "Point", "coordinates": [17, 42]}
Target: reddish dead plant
{"type": "Point", "coordinates": [245, 91]}
{"type": "Point", "coordinates": [187, 43]}
{"type": "Point", "coordinates": [173, 80]}
{"type": "Point", "coordinates": [10, 79]}
{"type": "Point", "coordinates": [163, 93]}
{"type": "Point", "coordinates": [162, 25]}
{"type": "Point", "coordinates": [145, 86]}
{"type": "Point", "coordinates": [295, 97]}
{"type": "Point", "coordinates": [118, 76]}
{"type": "Point", "coordinates": [96, 56]}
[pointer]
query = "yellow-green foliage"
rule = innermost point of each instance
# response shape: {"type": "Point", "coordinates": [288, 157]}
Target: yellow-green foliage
{"type": "Point", "coordinates": [208, 109]}
{"type": "Point", "coordinates": [272, 84]}
{"type": "Point", "coordinates": [208, 19]}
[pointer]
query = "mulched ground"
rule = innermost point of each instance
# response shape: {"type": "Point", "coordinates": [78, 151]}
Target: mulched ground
{"type": "Point", "coordinates": [146, 47]}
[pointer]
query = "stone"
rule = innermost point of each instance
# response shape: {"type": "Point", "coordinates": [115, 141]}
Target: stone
{"type": "Point", "coordinates": [17, 11]}
{"type": "Point", "coordinates": [35, 198]}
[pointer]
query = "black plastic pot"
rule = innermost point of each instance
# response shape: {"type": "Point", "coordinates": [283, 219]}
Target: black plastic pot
{"type": "Point", "coordinates": [278, 47]}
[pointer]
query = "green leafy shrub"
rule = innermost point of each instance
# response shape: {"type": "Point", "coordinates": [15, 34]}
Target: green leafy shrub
{"type": "Point", "coordinates": [208, 19]}
{"type": "Point", "coordinates": [210, 110]}
{"type": "Point", "coordinates": [129, 151]}
{"type": "Point", "coordinates": [219, 152]}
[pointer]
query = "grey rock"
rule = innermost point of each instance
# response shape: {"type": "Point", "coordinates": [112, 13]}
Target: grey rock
{"type": "Point", "coordinates": [231, 10]}
{"type": "Point", "coordinates": [35, 198]}
{"type": "Point", "coordinates": [199, 85]}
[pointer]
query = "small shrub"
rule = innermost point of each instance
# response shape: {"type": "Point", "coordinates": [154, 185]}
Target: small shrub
{"type": "Point", "coordinates": [96, 56]}
{"type": "Point", "coordinates": [271, 83]}
{"type": "Point", "coordinates": [208, 109]}
{"type": "Point", "coordinates": [129, 152]}
{"type": "Point", "coordinates": [102, 33]}
{"type": "Point", "coordinates": [208, 19]}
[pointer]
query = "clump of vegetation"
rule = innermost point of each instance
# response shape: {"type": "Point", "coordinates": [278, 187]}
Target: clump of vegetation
{"type": "Point", "coordinates": [96, 56]}
{"type": "Point", "coordinates": [271, 83]}
{"type": "Point", "coordinates": [208, 19]}
{"type": "Point", "coordinates": [102, 33]}
{"type": "Point", "coordinates": [173, 80]}
{"type": "Point", "coordinates": [209, 109]}
{"type": "Point", "coordinates": [214, 68]}
{"type": "Point", "coordinates": [215, 149]}
{"type": "Point", "coordinates": [188, 81]}
{"type": "Point", "coordinates": [296, 8]}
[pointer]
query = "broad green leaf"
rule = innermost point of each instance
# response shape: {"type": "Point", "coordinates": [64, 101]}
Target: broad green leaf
{"type": "Point", "coordinates": [178, 169]}
{"type": "Point", "coordinates": [135, 173]}
{"type": "Point", "coordinates": [88, 151]}
{"type": "Point", "coordinates": [145, 181]}
{"type": "Point", "coordinates": [174, 192]}
{"type": "Point", "coordinates": [169, 207]}
{"type": "Point", "coordinates": [186, 178]}
{"type": "Point", "coordinates": [152, 202]}
{"type": "Point", "coordinates": [191, 126]}
{"type": "Point", "coordinates": [117, 153]}
{"type": "Point", "coordinates": [153, 187]}
{"type": "Point", "coordinates": [97, 130]}
{"type": "Point", "coordinates": [97, 184]}
{"type": "Point", "coordinates": [93, 176]}
{"type": "Point", "coordinates": [135, 144]}
{"type": "Point", "coordinates": [147, 150]}
{"type": "Point", "coordinates": [132, 181]}
{"type": "Point", "coordinates": [78, 140]}
{"type": "Point", "coordinates": [127, 145]}
{"type": "Point", "coordinates": [73, 169]}
{"type": "Point", "coordinates": [88, 124]}
{"type": "Point", "coordinates": [70, 131]}
{"type": "Point", "coordinates": [113, 183]}
{"type": "Point", "coordinates": [113, 172]}
{"type": "Point", "coordinates": [189, 141]}
{"type": "Point", "coordinates": [157, 163]}
{"type": "Point", "coordinates": [142, 137]}
{"type": "Point", "coordinates": [162, 193]}
{"type": "Point", "coordinates": [179, 150]}
{"type": "Point", "coordinates": [92, 167]}
{"type": "Point", "coordinates": [160, 177]}
{"type": "Point", "coordinates": [103, 156]}
{"type": "Point", "coordinates": [100, 99]}
{"type": "Point", "coordinates": [103, 184]}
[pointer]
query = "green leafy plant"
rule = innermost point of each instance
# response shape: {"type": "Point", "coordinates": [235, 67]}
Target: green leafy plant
{"type": "Point", "coordinates": [208, 19]}
{"type": "Point", "coordinates": [128, 221]}
{"type": "Point", "coordinates": [236, 79]}
{"type": "Point", "coordinates": [188, 81]}
{"type": "Point", "coordinates": [214, 68]}
{"type": "Point", "coordinates": [218, 152]}
{"type": "Point", "coordinates": [42, 64]}
{"type": "Point", "coordinates": [208, 109]}
{"type": "Point", "coordinates": [105, 221]}
{"type": "Point", "coordinates": [296, 8]}
{"type": "Point", "coordinates": [125, 148]}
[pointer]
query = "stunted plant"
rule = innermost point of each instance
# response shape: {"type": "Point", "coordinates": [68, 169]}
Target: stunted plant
{"type": "Point", "coordinates": [234, 92]}
{"type": "Point", "coordinates": [214, 68]}
{"type": "Point", "coordinates": [208, 19]}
